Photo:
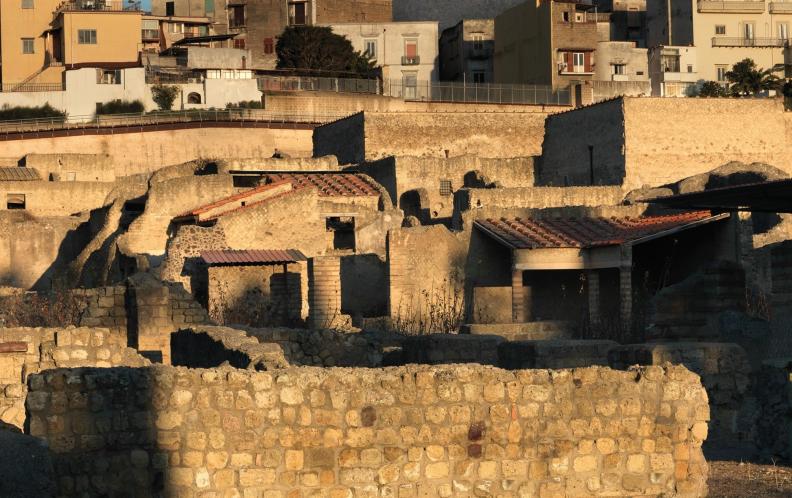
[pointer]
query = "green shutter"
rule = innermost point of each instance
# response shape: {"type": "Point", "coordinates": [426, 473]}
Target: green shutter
{"type": "Point", "coordinates": [209, 6]}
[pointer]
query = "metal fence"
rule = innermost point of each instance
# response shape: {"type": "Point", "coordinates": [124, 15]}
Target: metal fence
{"type": "Point", "coordinates": [432, 91]}
{"type": "Point", "coordinates": [483, 93]}
{"type": "Point", "coordinates": [32, 87]}
{"type": "Point", "coordinates": [240, 116]}
{"type": "Point", "coordinates": [311, 84]}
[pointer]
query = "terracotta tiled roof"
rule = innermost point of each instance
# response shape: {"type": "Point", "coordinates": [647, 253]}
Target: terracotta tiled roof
{"type": "Point", "coordinates": [330, 184]}
{"type": "Point", "coordinates": [252, 257]}
{"type": "Point", "coordinates": [234, 199]}
{"type": "Point", "coordinates": [18, 175]}
{"type": "Point", "coordinates": [522, 233]}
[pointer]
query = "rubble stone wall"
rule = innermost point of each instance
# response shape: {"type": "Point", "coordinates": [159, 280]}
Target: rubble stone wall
{"type": "Point", "coordinates": [406, 431]}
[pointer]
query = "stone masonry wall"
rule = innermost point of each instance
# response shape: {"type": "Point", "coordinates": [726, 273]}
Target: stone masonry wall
{"type": "Point", "coordinates": [408, 431]}
{"type": "Point", "coordinates": [53, 348]}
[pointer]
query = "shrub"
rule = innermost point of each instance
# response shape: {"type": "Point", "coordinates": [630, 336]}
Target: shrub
{"type": "Point", "coordinates": [31, 309]}
{"type": "Point", "coordinates": [164, 96]}
{"type": "Point", "coordinates": [120, 107]}
{"type": "Point", "coordinates": [712, 89]}
{"type": "Point", "coordinates": [246, 104]}
{"type": "Point", "coordinates": [20, 112]}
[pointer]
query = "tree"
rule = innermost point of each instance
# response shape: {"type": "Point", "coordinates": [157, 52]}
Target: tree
{"type": "Point", "coordinates": [312, 49]}
{"type": "Point", "coordinates": [747, 79]}
{"type": "Point", "coordinates": [164, 96]}
{"type": "Point", "coordinates": [712, 89]}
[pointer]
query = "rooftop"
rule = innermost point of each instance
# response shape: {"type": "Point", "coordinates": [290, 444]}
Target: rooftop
{"type": "Point", "coordinates": [330, 184]}
{"type": "Point", "coordinates": [19, 175]}
{"type": "Point", "coordinates": [529, 233]}
{"type": "Point", "coordinates": [772, 197]}
{"type": "Point", "coordinates": [252, 257]}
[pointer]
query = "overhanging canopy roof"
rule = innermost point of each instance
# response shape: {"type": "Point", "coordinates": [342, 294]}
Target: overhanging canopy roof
{"type": "Point", "coordinates": [194, 40]}
{"type": "Point", "coordinates": [230, 257]}
{"type": "Point", "coordinates": [770, 197]}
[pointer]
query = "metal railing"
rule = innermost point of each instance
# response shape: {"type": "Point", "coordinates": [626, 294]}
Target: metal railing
{"type": "Point", "coordinates": [731, 6]}
{"type": "Point", "coordinates": [310, 84]}
{"type": "Point", "coordinates": [32, 87]}
{"type": "Point", "coordinates": [414, 60]}
{"type": "Point", "coordinates": [748, 42]}
{"type": "Point", "coordinates": [482, 93]}
{"type": "Point", "coordinates": [240, 116]}
{"type": "Point", "coordinates": [96, 5]}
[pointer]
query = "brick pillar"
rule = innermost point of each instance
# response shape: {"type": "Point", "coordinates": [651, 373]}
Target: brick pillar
{"type": "Point", "coordinates": [324, 292]}
{"type": "Point", "coordinates": [518, 297]}
{"type": "Point", "coordinates": [625, 289]}
{"type": "Point", "coordinates": [592, 277]}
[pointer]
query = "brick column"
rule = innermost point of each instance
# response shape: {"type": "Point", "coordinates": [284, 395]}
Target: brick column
{"type": "Point", "coordinates": [518, 297]}
{"type": "Point", "coordinates": [324, 292]}
{"type": "Point", "coordinates": [625, 289]}
{"type": "Point", "coordinates": [593, 280]}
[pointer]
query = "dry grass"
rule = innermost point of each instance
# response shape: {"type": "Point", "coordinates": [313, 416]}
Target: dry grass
{"type": "Point", "coordinates": [31, 309]}
{"type": "Point", "coordinates": [749, 480]}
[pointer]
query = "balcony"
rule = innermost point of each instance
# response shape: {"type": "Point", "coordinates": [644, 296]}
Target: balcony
{"type": "Point", "coordinates": [755, 7]}
{"type": "Point", "coordinates": [748, 42]}
{"type": "Point", "coordinates": [150, 35]}
{"type": "Point", "coordinates": [94, 6]}
{"type": "Point", "coordinates": [783, 7]}
{"type": "Point", "coordinates": [410, 60]}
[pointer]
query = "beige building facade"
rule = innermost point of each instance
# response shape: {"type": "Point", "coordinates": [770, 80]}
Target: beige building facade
{"type": "Point", "coordinates": [407, 51]}
{"type": "Point", "coordinates": [466, 51]}
{"type": "Point", "coordinates": [724, 33]}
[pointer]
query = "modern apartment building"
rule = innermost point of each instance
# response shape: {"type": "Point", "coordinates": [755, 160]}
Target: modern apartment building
{"type": "Point", "coordinates": [406, 51]}
{"type": "Point", "coordinates": [547, 42]}
{"type": "Point", "coordinates": [39, 38]}
{"type": "Point", "coordinates": [673, 71]}
{"type": "Point", "coordinates": [467, 50]}
{"type": "Point", "coordinates": [257, 24]}
{"type": "Point", "coordinates": [723, 32]}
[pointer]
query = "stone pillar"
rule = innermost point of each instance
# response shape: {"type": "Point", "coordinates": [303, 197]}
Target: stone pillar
{"type": "Point", "coordinates": [593, 280]}
{"type": "Point", "coordinates": [625, 289]}
{"type": "Point", "coordinates": [518, 297]}
{"type": "Point", "coordinates": [324, 292]}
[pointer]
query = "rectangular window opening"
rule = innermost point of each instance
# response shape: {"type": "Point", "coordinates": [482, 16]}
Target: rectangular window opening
{"type": "Point", "coordinates": [27, 4]}
{"type": "Point", "coordinates": [446, 187]}
{"type": "Point", "coordinates": [170, 9]}
{"type": "Point", "coordinates": [236, 14]}
{"type": "Point", "coordinates": [28, 46]}
{"type": "Point", "coordinates": [86, 37]}
{"type": "Point", "coordinates": [15, 201]}
{"type": "Point", "coordinates": [720, 29]}
{"type": "Point", "coordinates": [343, 229]}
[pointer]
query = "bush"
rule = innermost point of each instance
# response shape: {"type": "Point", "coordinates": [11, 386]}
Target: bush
{"type": "Point", "coordinates": [246, 104]}
{"type": "Point", "coordinates": [31, 309]}
{"type": "Point", "coordinates": [712, 89]}
{"type": "Point", "coordinates": [164, 96]}
{"type": "Point", "coordinates": [46, 111]}
{"type": "Point", "coordinates": [120, 107]}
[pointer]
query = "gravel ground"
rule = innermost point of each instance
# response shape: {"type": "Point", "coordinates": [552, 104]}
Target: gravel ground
{"type": "Point", "coordinates": [749, 480]}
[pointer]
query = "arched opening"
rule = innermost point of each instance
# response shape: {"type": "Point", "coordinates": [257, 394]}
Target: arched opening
{"type": "Point", "coordinates": [194, 98]}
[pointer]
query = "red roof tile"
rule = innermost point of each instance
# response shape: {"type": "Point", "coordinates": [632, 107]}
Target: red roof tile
{"type": "Point", "coordinates": [228, 200]}
{"type": "Point", "coordinates": [330, 184]}
{"type": "Point", "coordinates": [521, 233]}
{"type": "Point", "coordinates": [252, 257]}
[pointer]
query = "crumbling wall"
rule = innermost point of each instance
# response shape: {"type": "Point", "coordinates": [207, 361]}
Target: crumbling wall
{"type": "Point", "coordinates": [43, 198]}
{"type": "Point", "coordinates": [72, 167]}
{"type": "Point", "coordinates": [41, 349]}
{"type": "Point", "coordinates": [443, 431]}
{"type": "Point", "coordinates": [182, 263]}
{"type": "Point", "coordinates": [207, 347]}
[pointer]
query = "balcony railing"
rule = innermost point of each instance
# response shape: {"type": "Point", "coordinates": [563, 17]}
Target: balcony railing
{"type": "Point", "coordinates": [150, 34]}
{"type": "Point", "coordinates": [31, 87]}
{"type": "Point", "coordinates": [408, 60]}
{"type": "Point", "coordinates": [749, 6]}
{"type": "Point", "coordinates": [96, 5]}
{"type": "Point", "coordinates": [748, 42]}
{"type": "Point", "coordinates": [779, 7]}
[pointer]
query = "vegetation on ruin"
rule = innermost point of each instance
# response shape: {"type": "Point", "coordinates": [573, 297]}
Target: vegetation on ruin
{"type": "Point", "coordinates": [246, 104]}
{"type": "Point", "coordinates": [164, 96]}
{"type": "Point", "coordinates": [32, 309]}
{"type": "Point", "coordinates": [120, 107]}
{"type": "Point", "coordinates": [317, 50]}
{"type": "Point", "coordinates": [8, 112]}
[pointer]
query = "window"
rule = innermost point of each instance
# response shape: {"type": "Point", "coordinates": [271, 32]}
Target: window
{"type": "Point", "coordinates": [343, 230]}
{"type": "Point", "coordinates": [193, 98]}
{"type": "Point", "coordinates": [783, 31]}
{"type": "Point", "coordinates": [370, 49]}
{"type": "Point", "coordinates": [236, 16]}
{"type": "Point", "coordinates": [748, 30]}
{"type": "Point", "coordinates": [478, 41]}
{"type": "Point", "coordinates": [445, 187]}
{"type": "Point", "coordinates": [175, 27]}
{"type": "Point", "coordinates": [27, 4]}
{"type": "Point", "coordinates": [239, 43]}
{"type": "Point", "coordinates": [690, 68]}
{"type": "Point", "coordinates": [721, 71]}
{"type": "Point", "coordinates": [15, 201]}
{"type": "Point", "coordinates": [410, 82]}
{"type": "Point", "coordinates": [720, 29]}
{"type": "Point", "coordinates": [213, 74]}
{"type": "Point", "coordinates": [28, 46]}
{"type": "Point", "coordinates": [209, 7]}
{"type": "Point", "coordinates": [245, 181]}
{"type": "Point", "coordinates": [479, 77]}
{"type": "Point", "coordinates": [565, 16]}
{"type": "Point", "coordinates": [410, 53]}
{"type": "Point", "coordinates": [670, 62]}
{"type": "Point", "coordinates": [619, 68]}
{"type": "Point", "coordinates": [578, 62]}
{"type": "Point", "coordinates": [298, 13]}
{"type": "Point", "coordinates": [86, 37]}
{"type": "Point", "coordinates": [269, 46]}
{"type": "Point", "coordinates": [170, 9]}
{"type": "Point", "coordinates": [108, 77]}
